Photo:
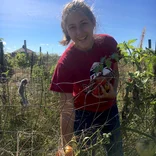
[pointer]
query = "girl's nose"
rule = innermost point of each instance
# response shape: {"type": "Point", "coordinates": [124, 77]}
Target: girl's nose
{"type": "Point", "coordinates": [78, 31]}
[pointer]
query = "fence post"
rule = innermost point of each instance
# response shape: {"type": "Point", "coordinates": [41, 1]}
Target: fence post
{"type": "Point", "coordinates": [47, 59]}
{"type": "Point", "coordinates": [25, 46]}
{"type": "Point", "coordinates": [155, 47]}
{"type": "Point", "coordinates": [31, 64]}
{"type": "Point", "coordinates": [154, 65]}
{"type": "Point", "coordinates": [1, 57]}
{"type": "Point", "coordinates": [149, 43]}
{"type": "Point", "coordinates": [26, 52]}
{"type": "Point", "coordinates": [40, 56]}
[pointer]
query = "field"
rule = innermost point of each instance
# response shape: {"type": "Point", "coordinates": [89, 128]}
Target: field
{"type": "Point", "coordinates": [34, 130]}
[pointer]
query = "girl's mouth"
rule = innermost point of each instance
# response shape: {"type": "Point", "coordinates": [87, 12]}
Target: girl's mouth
{"type": "Point", "coordinates": [82, 38]}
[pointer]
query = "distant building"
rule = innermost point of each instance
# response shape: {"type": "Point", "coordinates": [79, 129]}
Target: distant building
{"type": "Point", "coordinates": [22, 50]}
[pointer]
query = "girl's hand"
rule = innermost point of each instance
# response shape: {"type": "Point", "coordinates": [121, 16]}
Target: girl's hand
{"type": "Point", "coordinates": [111, 94]}
{"type": "Point", "coordinates": [60, 152]}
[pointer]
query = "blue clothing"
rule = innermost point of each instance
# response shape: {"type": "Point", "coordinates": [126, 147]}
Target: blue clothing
{"type": "Point", "coordinates": [87, 123]}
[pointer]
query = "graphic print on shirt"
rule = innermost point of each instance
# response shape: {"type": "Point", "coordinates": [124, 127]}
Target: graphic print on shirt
{"type": "Point", "coordinates": [97, 70]}
{"type": "Point", "coordinates": [100, 69]}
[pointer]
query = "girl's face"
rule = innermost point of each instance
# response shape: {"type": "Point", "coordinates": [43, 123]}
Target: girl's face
{"type": "Point", "coordinates": [80, 29]}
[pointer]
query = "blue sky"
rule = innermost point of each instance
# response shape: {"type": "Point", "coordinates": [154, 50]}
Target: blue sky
{"type": "Point", "coordinates": [38, 22]}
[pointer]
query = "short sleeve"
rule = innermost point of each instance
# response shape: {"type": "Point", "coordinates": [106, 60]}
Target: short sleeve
{"type": "Point", "coordinates": [112, 45]}
{"type": "Point", "coordinates": [62, 79]}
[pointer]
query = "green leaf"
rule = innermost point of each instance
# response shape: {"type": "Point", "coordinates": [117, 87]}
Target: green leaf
{"type": "Point", "coordinates": [131, 47]}
{"type": "Point", "coordinates": [115, 56]}
{"type": "Point", "coordinates": [100, 67]}
{"type": "Point", "coordinates": [131, 41]}
{"type": "Point", "coordinates": [141, 58]}
{"type": "Point", "coordinates": [131, 74]}
{"type": "Point", "coordinates": [124, 53]}
{"type": "Point", "coordinates": [145, 80]}
{"type": "Point", "coordinates": [102, 59]}
{"type": "Point", "coordinates": [145, 54]}
{"type": "Point", "coordinates": [120, 45]}
{"type": "Point", "coordinates": [108, 62]}
{"type": "Point", "coordinates": [96, 69]}
{"type": "Point", "coordinates": [153, 103]}
{"type": "Point", "coordinates": [137, 73]}
{"type": "Point", "coordinates": [149, 73]}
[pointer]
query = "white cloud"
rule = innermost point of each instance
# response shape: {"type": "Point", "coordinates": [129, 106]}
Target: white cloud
{"type": "Point", "coordinates": [45, 44]}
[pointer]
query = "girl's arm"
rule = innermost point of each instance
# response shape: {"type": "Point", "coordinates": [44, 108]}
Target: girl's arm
{"type": "Point", "coordinates": [67, 116]}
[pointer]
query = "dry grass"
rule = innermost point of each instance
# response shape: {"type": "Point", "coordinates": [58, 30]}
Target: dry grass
{"type": "Point", "coordinates": [35, 130]}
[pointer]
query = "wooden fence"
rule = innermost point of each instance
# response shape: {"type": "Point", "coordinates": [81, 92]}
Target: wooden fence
{"type": "Point", "coordinates": [1, 58]}
{"type": "Point", "coordinates": [2, 66]}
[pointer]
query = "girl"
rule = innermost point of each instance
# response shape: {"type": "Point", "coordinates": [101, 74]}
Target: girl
{"type": "Point", "coordinates": [85, 104]}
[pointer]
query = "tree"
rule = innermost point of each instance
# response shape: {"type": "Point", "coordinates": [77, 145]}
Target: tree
{"type": "Point", "coordinates": [21, 60]}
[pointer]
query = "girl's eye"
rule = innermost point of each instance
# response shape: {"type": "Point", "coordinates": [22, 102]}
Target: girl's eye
{"type": "Point", "coordinates": [71, 27]}
{"type": "Point", "coordinates": [84, 23]}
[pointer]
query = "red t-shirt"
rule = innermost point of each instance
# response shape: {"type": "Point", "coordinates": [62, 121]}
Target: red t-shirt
{"type": "Point", "coordinates": [74, 72]}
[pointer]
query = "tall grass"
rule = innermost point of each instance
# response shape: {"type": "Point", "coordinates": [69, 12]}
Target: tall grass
{"type": "Point", "coordinates": [34, 130]}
